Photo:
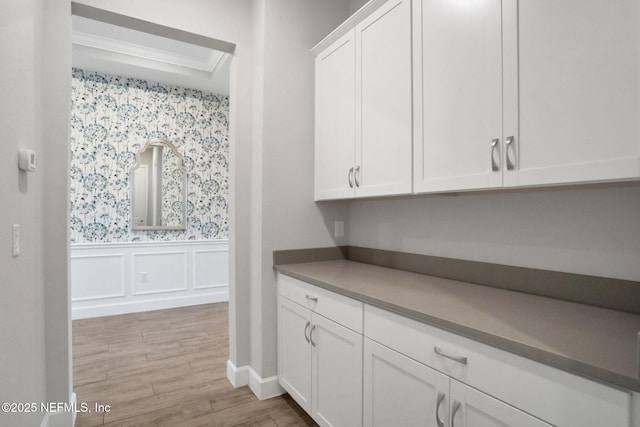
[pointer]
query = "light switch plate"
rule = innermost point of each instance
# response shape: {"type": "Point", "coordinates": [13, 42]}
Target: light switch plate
{"type": "Point", "coordinates": [338, 229]}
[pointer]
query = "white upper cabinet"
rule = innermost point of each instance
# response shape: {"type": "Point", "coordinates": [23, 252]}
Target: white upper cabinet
{"type": "Point", "coordinates": [335, 120]}
{"type": "Point", "coordinates": [458, 86]}
{"type": "Point", "coordinates": [383, 155]}
{"type": "Point", "coordinates": [525, 93]}
{"type": "Point", "coordinates": [572, 80]}
{"type": "Point", "coordinates": [363, 142]}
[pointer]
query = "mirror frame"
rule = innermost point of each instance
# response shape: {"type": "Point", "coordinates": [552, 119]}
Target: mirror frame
{"type": "Point", "coordinates": [173, 149]}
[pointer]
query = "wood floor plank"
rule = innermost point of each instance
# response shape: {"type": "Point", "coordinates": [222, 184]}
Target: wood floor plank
{"type": "Point", "coordinates": [167, 368]}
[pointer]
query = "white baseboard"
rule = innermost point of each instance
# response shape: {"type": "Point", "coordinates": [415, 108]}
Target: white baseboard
{"type": "Point", "coordinates": [149, 305]}
{"type": "Point", "coordinates": [238, 377]}
{"type": "Point", "coordinates": [263, 388]}
{"type": "Point", "coordinates": [61, 419]}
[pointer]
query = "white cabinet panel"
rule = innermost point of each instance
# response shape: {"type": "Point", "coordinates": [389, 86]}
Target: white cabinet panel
{"type": "Point", "coordinates": [335, 125]}
{"type": "Point", "coordinates": [398, 391]}
{"type": "Point", "coordinates": [319, 360]}
{"type": "Point", "coordinates": [555, 83]}
{"type": "Point", "coordinates": [472, 408]}
{"type": "Point", "coordinates": [363, 142]}
{"type": "Point", "coordinates": [458, 79]}
{"type": "Point", "coordinates": [383, 43]}
{"type": "Point", "coordinates": [339, 308]}
{"type": "Point", "coordinates": [556, 396]}
{"type": "Point", "coordinates": [578, 86]}
{"type": "Point", "coordinates": [336, 373]}
{"type": "Point", "coordinates": [294, 351]}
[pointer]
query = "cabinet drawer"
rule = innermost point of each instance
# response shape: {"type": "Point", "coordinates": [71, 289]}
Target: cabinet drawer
{"type": "Point", "coordinates": [343, 310]}
{"type": "Point", "coordinates": [555, 396]}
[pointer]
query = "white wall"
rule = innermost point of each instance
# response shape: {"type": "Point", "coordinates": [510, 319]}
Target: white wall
{"type": "Point", "coordinates": [289, 218]}
{"type": "Point", "coordinates": [586, 230]}
{"type": "Point", "coordinates": [34, 312]}
{"type": "Point", "coordinates": [354, 5]}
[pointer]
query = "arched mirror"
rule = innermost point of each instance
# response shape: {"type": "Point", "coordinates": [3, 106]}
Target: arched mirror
{"type": "Point", "coordinates": [158, 188]}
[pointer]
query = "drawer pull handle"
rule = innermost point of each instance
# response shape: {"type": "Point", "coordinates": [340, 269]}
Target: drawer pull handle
{"type": "Point", "coordinates": [439, 422]}
{"type": "Point", "coordinates": [350, 178]}
{"type": "Point", "coordinates": [313, 343]}
{"type": "Point", "coordinates": [510, 145]}
{"type": "Point", "coordinates": [456, 407]}
{"type": "Point", "coordinates": [306, 328]}
{"type": "Point", "coordinates": [357, 176]}
{"type": "Point", "coordinates": [458, 359]}
{"type": "Point", "coordinates": [494, 165]}
{"type": "Point", "coordinates": [310, 298]}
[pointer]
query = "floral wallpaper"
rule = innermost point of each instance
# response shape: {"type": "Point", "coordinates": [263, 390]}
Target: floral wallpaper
{"type": "Point", "coordinates": [111, 119]}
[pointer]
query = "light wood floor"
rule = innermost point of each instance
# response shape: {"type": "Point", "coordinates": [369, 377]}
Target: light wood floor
{"type": "Point", "coordinates": [167, 368]}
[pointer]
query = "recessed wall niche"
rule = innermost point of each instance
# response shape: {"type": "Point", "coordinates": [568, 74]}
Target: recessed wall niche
{"type": "Point", "coordinates": [111, 119]}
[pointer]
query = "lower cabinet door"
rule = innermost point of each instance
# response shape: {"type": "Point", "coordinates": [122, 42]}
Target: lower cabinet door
{"type": "Point", "coordinates": [472, 408]}
{"type": "Point", "coordinates": [294, 351]}
{"type": "Point", "coordinates": [398, 391]}
{"type": "Point", "coordinates": [336, 374]}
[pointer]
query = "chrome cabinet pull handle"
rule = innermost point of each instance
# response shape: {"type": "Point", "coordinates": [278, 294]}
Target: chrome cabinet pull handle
{"type": "Point", "coordinates": [357, 176]}
{"type": "Point", "coordinates": [456, 407]}
{"type": "Point", "coordinates": [508, 143]}
{"type": "Point", "coordinates": [459, 359]}
{"type": "Point", "coordinates": [494, 165]}
{"type": "Point", "coordinates": [439, 422]}
{"type": "Point", "coordinates": [306, 328]}
{"type": "Point", "coordinates": [313, 343]}
{"type": "Point", "coordinates": [351, 178]}
{"type": "Point", "coordinates": [310, 298]}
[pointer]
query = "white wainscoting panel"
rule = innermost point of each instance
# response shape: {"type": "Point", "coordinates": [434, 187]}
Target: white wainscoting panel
{"type": "Point", "coordinates": [118, 278]}
{"type": "Point", "coordinates": [154, 273]}
{"type": "Point", "coordinates": [97, 276]}
{"type": "Point", "coordinates": [210, 268]}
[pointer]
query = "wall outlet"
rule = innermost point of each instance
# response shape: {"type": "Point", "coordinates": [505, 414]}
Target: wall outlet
{"type": "Point", "coordinates": [338, 229]}
{"type": "Point", "coordinates": [144, 277]}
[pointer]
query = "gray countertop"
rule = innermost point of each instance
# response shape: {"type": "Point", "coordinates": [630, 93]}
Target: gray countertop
{"type": "Point", "coordinates": [597, 343]}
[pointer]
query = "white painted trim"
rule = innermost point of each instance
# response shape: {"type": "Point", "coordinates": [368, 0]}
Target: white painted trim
{"type": "Point", "coordinates": [122, 278]}
{"type": "Point", "coordinates": [263, 388]}
{"type": "Point", "coordinates": [159, 244]}
{"type": "Point", "coordinates": [348, 25]}
{"type": "Point", "coordinates": [185, 281]}
{"type": "Point", "coordinates": [129, 296]}
{"type": "Point", "coordinates": [61, 419]}
{"type": "Point", "coordinates": [149, 305]}
{"type": "Point", "coordinates": [74, 400]}
{"type": "Point", "coordinates": [238, 377]}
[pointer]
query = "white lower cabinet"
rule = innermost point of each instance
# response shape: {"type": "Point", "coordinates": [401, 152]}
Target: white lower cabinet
{"type": "Point", "coordinates": [294, 351]}
{"type": "Point", "coordinates": [319, 360]}
{"type": "Point", "coordinates": [472, 408]}
{"type": "Point", "coordinates": [494, 387]}
{"type": "Point", "coordinates": [398, 391]}
{"type": "Point", "coordinates": [351, 364]}
{"type": "Point", "coordinates": [336, 374]}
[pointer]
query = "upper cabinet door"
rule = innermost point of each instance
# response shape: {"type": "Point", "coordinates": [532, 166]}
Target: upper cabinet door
{"type": "Point", "coordinates": [458, 87]}
{"type": "Point", "coordinates": [572, 83]}
{"type": "Point", "coordinates": [384, 137]}
{"type": "Point", "coordinates": [335, 120]}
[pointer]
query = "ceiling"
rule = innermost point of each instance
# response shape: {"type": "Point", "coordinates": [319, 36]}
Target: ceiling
{"type": "Point", "coordinates": [107, 48]}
